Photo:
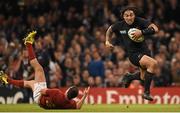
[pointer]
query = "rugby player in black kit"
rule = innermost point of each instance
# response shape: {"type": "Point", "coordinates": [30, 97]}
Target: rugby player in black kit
{"type": "Point", "coordinates": [138, 52]}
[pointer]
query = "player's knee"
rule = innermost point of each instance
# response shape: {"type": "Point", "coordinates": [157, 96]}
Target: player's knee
{"type": "Point", "coordinates": [154, 65]}
{"type": "Point", "coordinates": [39, 69]}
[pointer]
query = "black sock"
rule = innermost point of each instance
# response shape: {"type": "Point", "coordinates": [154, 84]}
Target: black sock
{"type": "Point", "coordinates": [134, 76]}
{"type": "Point", "coordinates": [147, 82]}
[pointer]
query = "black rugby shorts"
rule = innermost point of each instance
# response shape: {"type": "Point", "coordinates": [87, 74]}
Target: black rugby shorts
{"type": "Point", "coordinates": [135, 57]}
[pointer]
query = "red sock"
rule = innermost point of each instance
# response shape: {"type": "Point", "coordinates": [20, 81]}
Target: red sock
{"type": "Point", "coordinates": [18, 83]}
{"type": "Point", "coordinates": [30, 51]}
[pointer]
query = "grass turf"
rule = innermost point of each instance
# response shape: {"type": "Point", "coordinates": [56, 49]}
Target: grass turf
{"type": "Point", "coordinates": [93, 108]}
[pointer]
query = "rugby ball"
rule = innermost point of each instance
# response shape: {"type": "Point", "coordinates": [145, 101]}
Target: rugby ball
{"type": "Point", "coordinates": [140, 39]}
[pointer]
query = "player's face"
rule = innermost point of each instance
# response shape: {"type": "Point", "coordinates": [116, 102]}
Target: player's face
{"type": "Point", "coordinates": [66, 93]}
{"type": "Point", "coordinates": [129, 17]}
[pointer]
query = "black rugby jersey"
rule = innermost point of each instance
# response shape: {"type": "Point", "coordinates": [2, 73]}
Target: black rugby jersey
{"type": "Point", "coordinates": [121, 30]}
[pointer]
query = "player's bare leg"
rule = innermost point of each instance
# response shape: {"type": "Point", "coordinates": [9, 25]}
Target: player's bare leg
{"type": "Point", "coordinates": [39, 72]}
{"type": "Point", "coordinates": [151, 65]}
{"type": "Point", "coordinates": [39, 82]}
{"type": "Point", "coordinates": [5, 80]}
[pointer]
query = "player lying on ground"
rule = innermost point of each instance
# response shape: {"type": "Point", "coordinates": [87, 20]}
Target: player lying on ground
{"type": "Point", "coordinates": [44, 97]}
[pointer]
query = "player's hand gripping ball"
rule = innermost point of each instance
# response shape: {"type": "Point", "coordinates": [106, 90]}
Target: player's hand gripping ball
{"type": "Point", "coordinates": [139, 39]}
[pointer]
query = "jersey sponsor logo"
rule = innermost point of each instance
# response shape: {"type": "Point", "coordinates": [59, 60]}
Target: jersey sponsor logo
{"type": "Point", "coordinates": [123, 32]}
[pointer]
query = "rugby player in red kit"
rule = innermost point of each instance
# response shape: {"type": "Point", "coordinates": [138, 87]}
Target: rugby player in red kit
{"type": "Point", "coordinates": [43, 96]}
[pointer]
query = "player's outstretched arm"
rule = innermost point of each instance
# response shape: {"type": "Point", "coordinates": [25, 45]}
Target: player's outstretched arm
{"type": "Point", "coordinates": [81, 101]}
{"type": "Point", "coordinates": [109, 33]}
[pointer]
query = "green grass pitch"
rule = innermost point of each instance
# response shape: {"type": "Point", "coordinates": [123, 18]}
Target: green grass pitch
{"type": "Point", "coordinates": [93, 108]}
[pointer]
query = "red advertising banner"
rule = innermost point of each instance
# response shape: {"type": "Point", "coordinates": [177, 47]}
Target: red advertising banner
{"type": "Point", "coordinates": [170, 95]}
{"type": "Point", "coordinates": [132, 96]}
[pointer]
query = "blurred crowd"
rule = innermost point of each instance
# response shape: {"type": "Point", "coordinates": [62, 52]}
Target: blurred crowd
{"type": "Point", "coordinates": [70, 41]}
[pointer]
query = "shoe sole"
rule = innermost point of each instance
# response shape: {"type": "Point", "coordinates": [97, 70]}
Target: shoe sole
{"type": "Point", "coordinates": [26, 40]}
{"type": "Point", "coordinates": [147, 98]}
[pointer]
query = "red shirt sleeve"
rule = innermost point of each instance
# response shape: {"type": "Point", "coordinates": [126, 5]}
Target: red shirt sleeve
{"type": "Point", "coordinates": [51, 91]}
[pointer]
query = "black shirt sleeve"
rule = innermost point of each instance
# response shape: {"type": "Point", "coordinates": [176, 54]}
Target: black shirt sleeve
{"type": "Point", "coordinates": [143, 22]}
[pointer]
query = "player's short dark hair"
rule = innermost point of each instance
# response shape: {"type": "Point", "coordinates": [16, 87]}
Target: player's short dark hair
{"type": "Point", "coordinates": [72, 92]}
{"type": "Point", "coordinates": [132, 8]}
